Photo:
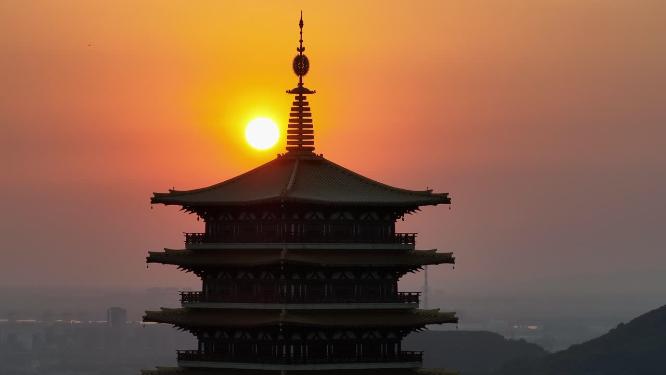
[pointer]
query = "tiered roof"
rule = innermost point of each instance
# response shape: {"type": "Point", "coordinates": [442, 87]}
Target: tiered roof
{"type": "Point", "coordinates": [305, 178]}
{"type": "Point", "coordinates": [220, 371]}
{"type": "Point", "coordinates": [214, 318]}
{"type": "Point", "coordinates": [338, 258]}
{"type": "Point", "coordinates": [301, 177]}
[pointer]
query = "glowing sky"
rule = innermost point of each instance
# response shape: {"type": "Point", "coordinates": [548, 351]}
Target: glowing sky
{"type": "Point", "coordinates": [545, 120]}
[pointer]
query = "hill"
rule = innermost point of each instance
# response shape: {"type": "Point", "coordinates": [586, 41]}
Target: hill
{"type": "Point", "coordinates": [470, 352]}
{"type": "Point", "coordinates": [637, 348]}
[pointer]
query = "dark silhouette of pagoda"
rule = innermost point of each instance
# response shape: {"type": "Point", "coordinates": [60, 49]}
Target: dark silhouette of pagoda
{"type": "Point", "coordinates": [299, 265]}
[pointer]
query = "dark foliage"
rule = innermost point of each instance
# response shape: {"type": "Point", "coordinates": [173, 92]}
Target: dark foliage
{"type": "Point", "coordinates": [470, 352]}
{"type": "Point", "coordinates": [637, 348]}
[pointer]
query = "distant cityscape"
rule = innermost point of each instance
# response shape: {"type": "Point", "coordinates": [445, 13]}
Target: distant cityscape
{"type": "Point", "coordinates": [68, 332]}
{"type": "Point", "coordinates": [64, 344]}
{"type": "Point", "coordinates": [67, 345]}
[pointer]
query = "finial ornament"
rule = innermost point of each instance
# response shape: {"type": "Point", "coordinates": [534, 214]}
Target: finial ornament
{"type": "Point", "coordinates": [300, 132]}
{"type": "Point", "coordinates": [300, 49]}
{"type": "Point", "coordinates": [301, 63]}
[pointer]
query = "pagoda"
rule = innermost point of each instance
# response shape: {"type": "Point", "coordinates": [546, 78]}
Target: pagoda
{"type": "Point", "coordinates": [299, 264]}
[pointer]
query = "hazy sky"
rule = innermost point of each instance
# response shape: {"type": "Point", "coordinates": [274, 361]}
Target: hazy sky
{"type": "Point", "coordinates": [545, 120]}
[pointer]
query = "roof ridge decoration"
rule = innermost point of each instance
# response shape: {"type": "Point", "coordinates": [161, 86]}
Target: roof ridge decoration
{"type": "Point", "coordinates": [292, 178]}
{"type": "Point", "coordinates": [300, 132]}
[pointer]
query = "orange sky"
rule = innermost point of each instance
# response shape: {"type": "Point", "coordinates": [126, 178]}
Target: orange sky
{"type": "Point", "coordinates": [543, 119]}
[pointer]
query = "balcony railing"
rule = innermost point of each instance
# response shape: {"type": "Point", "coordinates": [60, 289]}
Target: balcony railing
{"type": "Point", "coordinates": [198, 297]}
{"type": "Point", "coordinates": [397, 238]}
{"type": "Point", "coordinates": [404, 238]}
{"type": "Point", "coordinates": [194, 355]}
{"type": "Point", "coordinates": [195, 238]}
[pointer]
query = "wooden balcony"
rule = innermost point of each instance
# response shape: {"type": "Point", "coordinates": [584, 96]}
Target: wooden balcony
{"type": "Point", "coordinates": [395, 238]}
{"type": "Point", "coordinates": [199, 297]}
{"type": "Point", "coordinates": [194, 355]}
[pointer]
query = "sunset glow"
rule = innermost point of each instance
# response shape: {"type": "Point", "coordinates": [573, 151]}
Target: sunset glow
{"type": "Point", "coordinates": [262, 133]}
{"type": "Point", "coordinates": [533, 114]}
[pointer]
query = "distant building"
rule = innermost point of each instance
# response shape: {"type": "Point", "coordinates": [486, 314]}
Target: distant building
{"type": "Point", "coordinates": [116, 317]}
{"type": "Point", "coordinates": [300, 265]}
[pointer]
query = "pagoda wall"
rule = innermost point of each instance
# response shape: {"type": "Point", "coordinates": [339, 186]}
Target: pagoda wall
{"type": "Point", "coordinates": [305, 285]}
{"type": "Point", "coordinates": [300, 345]}
{"type": "Point", "coordinates": [299, 224]}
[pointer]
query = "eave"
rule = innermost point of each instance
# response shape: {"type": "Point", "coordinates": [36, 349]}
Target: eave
{"type": "Point", "coordinates": [197, 259]}
{"type": "Point", "coordinates": [189, 318]}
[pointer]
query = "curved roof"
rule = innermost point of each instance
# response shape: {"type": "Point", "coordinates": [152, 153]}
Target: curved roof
{"type": "Point", "coordinates": [254, 258]}
{"type": "Point", "coordinates": [229, 371]}
{"type": "Point", "coordinates": [191, 318]}
{"type": "Point", "coordinates": [306, 178]}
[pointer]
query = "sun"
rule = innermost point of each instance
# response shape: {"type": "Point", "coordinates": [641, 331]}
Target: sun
{"type": "Point", "coordinates": [262, 133]}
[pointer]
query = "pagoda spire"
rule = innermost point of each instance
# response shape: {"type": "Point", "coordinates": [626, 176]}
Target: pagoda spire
{"type": "Point", "coordinates": [300, 132]}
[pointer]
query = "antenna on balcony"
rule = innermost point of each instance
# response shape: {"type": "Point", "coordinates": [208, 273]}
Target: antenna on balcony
{"type": "Point", "coordinates": [425, 287]}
